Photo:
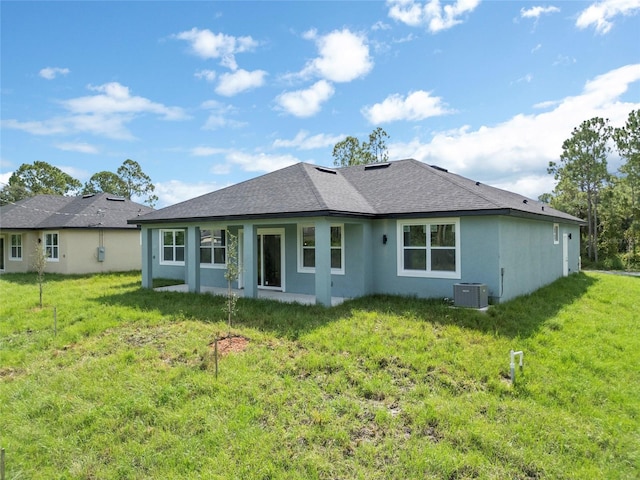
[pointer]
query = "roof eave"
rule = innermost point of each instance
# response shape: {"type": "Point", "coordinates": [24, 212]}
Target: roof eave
{"type": "Point", "coordinates": [256, 216]}
{"type": "Point", "coordinates": [485, 212]}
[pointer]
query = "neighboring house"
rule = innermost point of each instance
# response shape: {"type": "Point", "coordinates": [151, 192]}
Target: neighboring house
{"type": "Point", "coordinates": [400, 227]}
{"type": "Point", "coordinates": [83, 234]}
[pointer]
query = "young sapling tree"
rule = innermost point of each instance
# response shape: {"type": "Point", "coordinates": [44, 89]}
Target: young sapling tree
{"type": "Point", "coordinates": [39, 263]}
{"type": "Point", "coordinates": [231, 276]}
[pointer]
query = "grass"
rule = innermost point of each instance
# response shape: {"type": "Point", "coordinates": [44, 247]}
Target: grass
{"type": "Point", "coordinates": [378, 388]}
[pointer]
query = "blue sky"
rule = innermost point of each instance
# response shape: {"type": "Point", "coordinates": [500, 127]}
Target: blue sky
{"type": "Point", "coordinates": [207, 94]}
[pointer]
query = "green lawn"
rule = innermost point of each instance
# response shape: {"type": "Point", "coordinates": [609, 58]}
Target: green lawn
{"type": "Point", "coordinates": [378, 388]}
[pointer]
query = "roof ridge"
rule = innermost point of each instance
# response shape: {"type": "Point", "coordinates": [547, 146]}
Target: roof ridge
{"type": "Point", "coordinates": [444, 176]}
{"type": "Point", "coordinates": [314, 189]}
{"type": "Point", "coordinates": [353, 186]}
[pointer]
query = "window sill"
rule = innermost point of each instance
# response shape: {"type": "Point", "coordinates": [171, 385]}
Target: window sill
{"type": "Point", "coordinates": [429, 274]}
{"type": "Point", "coordinates": [313, 270]}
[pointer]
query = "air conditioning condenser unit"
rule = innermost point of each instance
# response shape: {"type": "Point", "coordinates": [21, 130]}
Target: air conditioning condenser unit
{"type": "Point", "coordinates": [472, 295]}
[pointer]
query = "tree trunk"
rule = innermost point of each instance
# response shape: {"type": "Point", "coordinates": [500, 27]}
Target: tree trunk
{"type": "Point", "coordinates": [634, 228]}
{"type": "Point", "coordinates": [589, 225]}
{"type": "Point", "coordinates": [595, 228]}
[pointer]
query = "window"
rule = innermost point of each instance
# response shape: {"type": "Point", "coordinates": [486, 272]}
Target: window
{"type": "Point", "coordinates": [16, 247]}
{"type": "Point", "coordinates": [307, 249]}
{"type": "Point", "coordinates": [172, 246]}
{"type": "Point", "coordinates": [213, 247]}
{"type": "Point", "coordinates": [556, 234]}
{"type": "Point", "coordinates": [51, 246]}
{"type": "Point", "coordinates": [429, 248]}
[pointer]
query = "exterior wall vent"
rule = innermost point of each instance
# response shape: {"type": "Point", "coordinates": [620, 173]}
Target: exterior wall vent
{"type": "Point", "coordinates": [472, 295]}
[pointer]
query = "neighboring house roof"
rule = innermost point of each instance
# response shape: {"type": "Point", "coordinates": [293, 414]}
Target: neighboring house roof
{"type": "Point", "coordinates": [403, 188]}
{"type": "Point", "coordinates": [101, 210]}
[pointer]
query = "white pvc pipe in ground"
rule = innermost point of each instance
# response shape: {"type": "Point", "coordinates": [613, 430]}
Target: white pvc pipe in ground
{"type": "Point", "coordinates": [512, 364]}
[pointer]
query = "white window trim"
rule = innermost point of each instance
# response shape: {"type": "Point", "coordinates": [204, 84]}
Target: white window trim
{"type": "Point", "coordinates": [11, 257]}
{"type": "Point", "coordinates": [44, 245]}
{"type": "Point", "coordinates": [226, 252]}
{"type": "Point", "coordinates": [161, 246]}
{"type": "Point", "coordinates": [334, 271]}
{"type": "Point", "coordinates": [556, 234]}
{"type": "Point", "coordinates": [427, 273]}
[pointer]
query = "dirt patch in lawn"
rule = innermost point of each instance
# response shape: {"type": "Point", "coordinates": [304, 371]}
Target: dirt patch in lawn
{"type": "Point", "coordinates": [232, 344]}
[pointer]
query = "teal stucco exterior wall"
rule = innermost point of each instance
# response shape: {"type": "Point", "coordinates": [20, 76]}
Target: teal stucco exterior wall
{"type": "Point", "coordinates": [512, 256]}
{"type": "Point", "coordinates": [531, 258]}
{"type": "Point", "coordinates": [478, 260]}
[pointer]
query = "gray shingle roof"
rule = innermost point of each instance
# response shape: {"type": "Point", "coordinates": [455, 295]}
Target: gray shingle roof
{"type": "Point", "coordinates": [394, 189]}
{"type": "Point", "coordinates": [101, 210]}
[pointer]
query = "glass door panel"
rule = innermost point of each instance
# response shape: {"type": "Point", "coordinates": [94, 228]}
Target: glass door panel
{"type": "Point", "coordinates": [270, 260]}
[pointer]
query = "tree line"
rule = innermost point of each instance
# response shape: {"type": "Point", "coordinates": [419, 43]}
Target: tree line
{"type": "Point", "coordinates": [609, 202]}
{"type": "Point", "coordinates": [42, 178]}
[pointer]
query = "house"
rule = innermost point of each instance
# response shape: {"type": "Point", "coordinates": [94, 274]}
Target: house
{"type": "Point", "coordinates": [84, 234]}
{"type": "Point", "coordinates": [400, 227]}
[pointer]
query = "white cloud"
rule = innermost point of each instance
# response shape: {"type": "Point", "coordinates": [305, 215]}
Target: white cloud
{"type": "Point", "coordinates": [208, 75]}
{"type": "Point", "coordinates": [526, 79]}
{"type": "Point", "coordinates": [47, 127]}
{"type": "Point", "coordinates": [79, 173]}
{"type": "Point", "coordinates": [260, 162]}
{"type": "Point", "coordinates": [207, 151]}
{"type": "Point", "coordinates": [380, 25]}
{"type": "Point", "coordinates": [563, 60]}
{"type": "Point", "coordinates": [115, 98]}
{"type": "Point", "coordinates": [105, 114]}
{"type": "Point", "coordinates": [515, 153]}
{"type": "Point", "coordinates": [307, 102]}
{"type": "Point", "coordinates": [431, 14]}
{"type": "Point", "coordinates": [233, 83]}
{"type": "Point", "coordinates": [547, 104]}
{"type": "Point", "coordinates": [209, 45]}
{"type": "Point", "coordinates": [530, 185]}
{"type": "Point", "coordinates": [4, 178]}
{"type": "Point", "coordinates": [303, 141]}
{"type": "Point", "coordinates": [410, 38]}
{"type": "Point", "coordinates": [219, 116]}
{"type": "Point", "coordinates": [417, 105]}
{"type": "Point", "coordinates": [601, 14]}
{"type": "Point", "coordinates": [78, 147]}
{"type": "Point", "coordinates": [175, 191]}
{"type": "Point", "coordinates": [537, 12]}
{"type": "Point", "coordinates": [220, 169]}
{"type": "Point", "coordinates": [216, 121]}
{"type": "Point", "coordinates": [50, 73]}
{"type": "Point", "coordinates": [344, 56]}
